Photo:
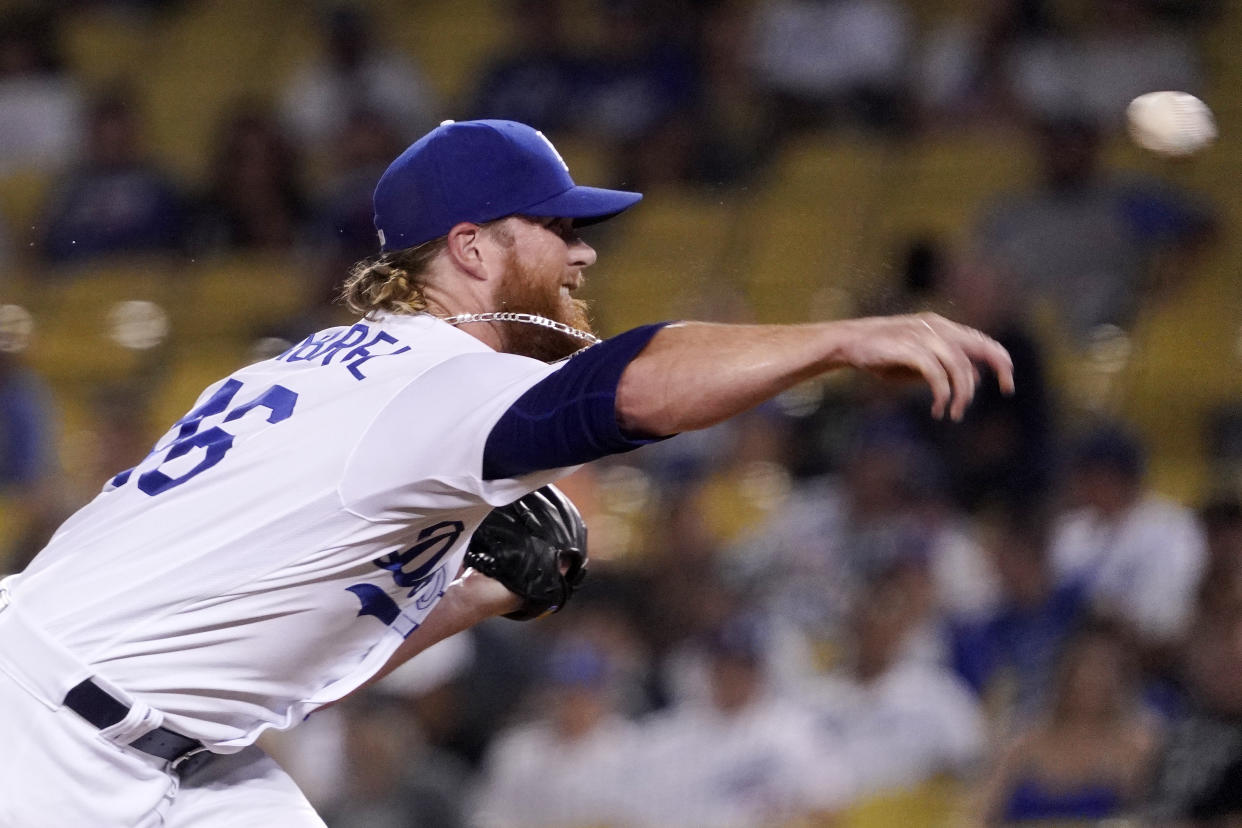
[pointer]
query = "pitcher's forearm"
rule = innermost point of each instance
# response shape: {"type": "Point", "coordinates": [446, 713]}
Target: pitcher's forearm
{"type": "Point", "coordinates": [694, 375]}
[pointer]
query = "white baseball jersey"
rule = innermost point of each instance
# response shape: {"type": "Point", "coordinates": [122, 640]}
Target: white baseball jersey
{"type": "Point", "coordinates": [282, 539]}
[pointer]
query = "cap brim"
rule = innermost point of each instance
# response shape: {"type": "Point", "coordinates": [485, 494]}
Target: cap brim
{"type": "Point", "coordinates": [585, 205]}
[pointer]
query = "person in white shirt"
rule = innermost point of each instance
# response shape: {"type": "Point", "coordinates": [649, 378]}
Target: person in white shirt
{"type": "Point", "coordinates": [895, 720]}
{"type": "Point", "coordinates": [569, 767]}
{"type": "Point", "coordinates": [1139, 554]}
{"type": "Point", "coordinates": [746, 754]}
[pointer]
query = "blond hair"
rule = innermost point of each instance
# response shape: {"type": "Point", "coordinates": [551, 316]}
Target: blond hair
{"type": "Point", "coordinates": [391, 281]}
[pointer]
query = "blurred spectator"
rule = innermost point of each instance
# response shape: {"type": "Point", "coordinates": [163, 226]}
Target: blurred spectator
{"type": "Point", "coordinates": [254, 199]}
{"type": "Point", "coordinates": [1089, 758]}
{"type": "Point", "coordinates": [114, 201]}
{"type": "Point", "coordinates": [745, 755]}
{"type": "Point", "coordinates": [807, 563]}
{"type": "Point", "coordinates": [732, 135]}
{"type": "Point", "coordinates": [825, 61]}
{"type": "Point", "coordinates": [1198, 777]}
{"type": "Point", "coordinates": [1002, 451]}
{"type": "Point", "coordinates": [394, 779]}
{"type": "Point", "coordinates": [538, 77]}
{"type": "Point", "coordinates": [895, 721]}
{"type": "Point", "coordinates": [1140, 554]}
{"type": "Point", "coordinates": [569, 767]}
{"type": "Point", "coordinates": [1092, 245]}
{"type": "Point", "coordinates": [40, 105]}
{"type": "Point", "coordinates": [1221, 584]}
{"type": "Point", "coordinates": [637, 87]}
{"type": "Point", "coordinates": [1009, 656]}
{"type": "Point", "coordinates": [314, 752]}
{"type": "Point", "coordinates": [354, 71]}
{"type": "Point", "coordinates": [1118, 51]}
{"type": "Point", "coordinates": [345, 215]}
{"type": "Point", "coordinates": [965, 61]}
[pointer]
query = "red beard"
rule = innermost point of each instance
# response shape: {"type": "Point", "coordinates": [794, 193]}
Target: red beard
{"type": "Point", "coordinates": [526, 291]}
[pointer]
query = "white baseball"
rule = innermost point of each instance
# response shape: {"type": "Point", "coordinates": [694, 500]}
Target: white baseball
{"type": "Point", "coordinates": [1170, 123]}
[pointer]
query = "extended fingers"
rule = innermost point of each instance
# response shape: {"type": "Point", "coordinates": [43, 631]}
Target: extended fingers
{"type": "Point", "coordinates": [958, 348]}
{"type": "Point", "coordinates": [960, 371]}
{"type": "Point", "coordinates": [932, 368]}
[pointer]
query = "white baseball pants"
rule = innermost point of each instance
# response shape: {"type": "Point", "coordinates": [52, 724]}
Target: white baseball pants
{"type": "Point", "coordinates": [57, 769]}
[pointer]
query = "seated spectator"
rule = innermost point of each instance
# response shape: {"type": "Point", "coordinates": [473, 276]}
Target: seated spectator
{"type": "Point", "coordinates": [732, 135]}
{"type": "Point", "coordinates": [1140, 555]}
{"type": "Point", "coordinates": [807, 562]}
{"type": "Point", "coordinates": [1008, 657]}
{"type": "Point", "coordinates": [115, 201]}
{"type": "Point", "coordinates": [354, 72]}
{"type": "Point", "coordinates": [569, 767]}
{"type": "Point", "coordinates": [1087, 760]}
{"type": "Point", "coordinates": [40, 105]}
{"type": "Point", "coordinates": [824, 61]}
{"type": "Point", "coordinates": [393, 775]}
{"type": "Point", "coordinates": [254, 199]}
{"type": "Point", "coordinates": [1118, 51]}
{"type": "Point", "coordinates": [744, 755]}
{"type": "Point", "coordinates": [344, 214]}
{"type": "Point", "coordinates": [965, 61]}
{"type": "Point", "coordinates": [539, 75]}
{"type": "Point", "coordinates": [1221, 584]}
{"type": "Point", "coordinates": [1198, 776]}
{"type": "Point", "coordinates": [1086, 242]}
{"type": "Point", "coordinates": [894, 720]}
{"type": "Point", "coordinates": [637, 87]}
{"type": "Point", "coordinates": [1001, 453]}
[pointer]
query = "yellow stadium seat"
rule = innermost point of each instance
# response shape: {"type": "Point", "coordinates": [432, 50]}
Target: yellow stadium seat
{"type": "Point", "coordinates": [811, 227]}
{"type": "Point", "coordinates": [450, 41]}
{"type": "Point", "coordinates": [74, 323]}
{"type": "Point", "coordinates": [933, 804]}
{"type": "Point", "coordinates": [192, 369]}
{"type": "Point", "coordinates": [104, 45]}
{"type": "Point", "coordinates": [664, 255]}
{"type": "Point", "coordinates": [210, 56]}
{"type": "Point", "coordinates": [23, 196]}
{"type": "Point", "coordinates": [238, 296]}
{"type": "Point", "coordinates": [948, 180]}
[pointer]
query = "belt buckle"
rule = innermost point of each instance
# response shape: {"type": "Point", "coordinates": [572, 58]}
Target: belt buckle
{"type": "Point", "coordinates": [179, 764]}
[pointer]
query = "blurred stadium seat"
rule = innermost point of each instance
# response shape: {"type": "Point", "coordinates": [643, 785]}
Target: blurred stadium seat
{"type": "Point", "coordinates": [22, 196]}
{"type": "Point", "coordinates": [71, 308]}
{"type": "Point", "coordinates": [240, 297]}
{"type": "Point", "coordinates": [668, 252]}
{"type": "Point", "coordinates": [812, 224]}
{"type": "Point", "coordinates": [934, 804]}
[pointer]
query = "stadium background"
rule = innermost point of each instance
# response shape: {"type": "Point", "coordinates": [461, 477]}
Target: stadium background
{"type": "Point", "coordinates": [778, 188]}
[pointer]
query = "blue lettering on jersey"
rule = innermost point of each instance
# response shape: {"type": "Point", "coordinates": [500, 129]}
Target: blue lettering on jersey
{"type": "Point", "coordinates": [185, 435]}
{"type": "Point", "coordinates": [433, 544]}
{"type": "Point", "coordinates": [326, 347]}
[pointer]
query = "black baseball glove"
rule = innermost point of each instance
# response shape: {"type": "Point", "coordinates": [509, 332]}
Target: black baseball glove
{"type": "Point", "coordinates": [536, 547]}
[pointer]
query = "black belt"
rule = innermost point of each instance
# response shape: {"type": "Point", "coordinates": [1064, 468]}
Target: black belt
{"type": "Point", "coordinates": [97, 706]}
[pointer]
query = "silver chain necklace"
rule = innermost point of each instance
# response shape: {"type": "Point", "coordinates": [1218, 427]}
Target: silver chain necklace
{"type": "Point", "coordinates": [529, 318]}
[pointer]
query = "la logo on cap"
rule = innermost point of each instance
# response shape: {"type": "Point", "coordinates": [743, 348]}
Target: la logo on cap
{"type": "Point", "coordinates": [553, 148]}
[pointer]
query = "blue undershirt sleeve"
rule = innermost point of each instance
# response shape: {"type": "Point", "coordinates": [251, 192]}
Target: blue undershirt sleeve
{"type": "Point", "coordinates": [570, 417]}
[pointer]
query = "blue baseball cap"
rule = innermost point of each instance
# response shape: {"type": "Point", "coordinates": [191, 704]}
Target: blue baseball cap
{"type": "Point", "coordinates": [481, 171]}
